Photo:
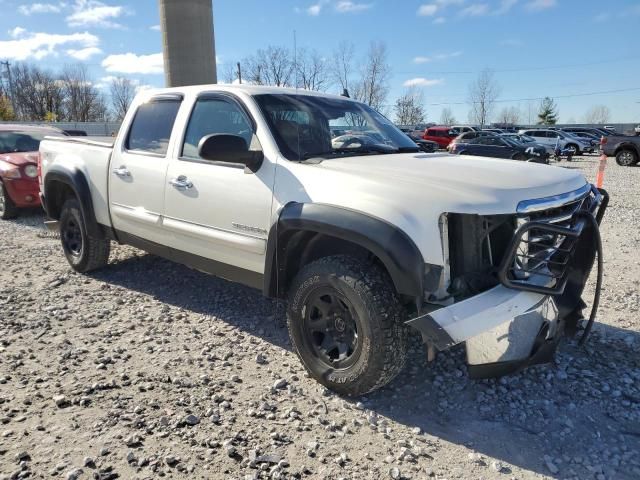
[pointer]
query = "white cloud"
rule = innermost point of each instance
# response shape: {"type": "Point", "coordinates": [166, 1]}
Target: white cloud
{"type": "Point", "coordinates": [40, 45]}
{"type": "Point", "coordinates": [155, 27]}
{"type": "Point", "coordinates": [350, 7]}
{"type": "Point", "coordinates": [537, 5]}
{"type": "Point", "coordinates": [439, 20]}
{"type": "Point", "coordinates": [475, 10]}
{"type": "Point", "coordinates": [132, 63]}
{"type": "Point", "coordinates": [438, 56]}
{"type": "Point", "coordinates": [39, 8]}
{"type": "Point", "coordinates": [505, 6]}
{"type": "Point", "coordinates": [84, 53]}
{"type": "Point", "coordinates": [427, 10]}
{"type": "Point", "coordinates": [423, 82]}
{"type": "Point", "coordinates": [314, 10]}
{"type": "Point", "coordinates": [92, 13]}
{"type": "Point", "coordinates": [17, 32]}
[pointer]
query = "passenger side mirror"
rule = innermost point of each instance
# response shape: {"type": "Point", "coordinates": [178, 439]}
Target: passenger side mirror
{"type": "Point", "coordinates": [221, 147]}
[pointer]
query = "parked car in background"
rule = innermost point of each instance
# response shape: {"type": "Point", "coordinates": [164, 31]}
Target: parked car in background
{"type": "Point", "coordinates": [440, 134]}
{"type": "Point", "coordinates": [590, 137]}
{"type": "Point", "coordinates": [19, 166]}
{"type": "Point", "coordinates": [464, 128]}
{"type": "Point", "coordinates": [497, 131]}
{"type": "Point", "coordinates": [564, 140]}
{"type": "Point", "coordinates": [529, 141]}
{"type": "Point", "coordinates": [501, 147]}
{"type": "Point", "coordinates": [625, 148]}
{"type": "Point", "coordinates": [637, 129]}
{"type": "Point", "coordinates": [467, 137]}
{"type": "Point", "coordinates": [599, 132]}
{"type": "Point", "coordinates": [426, 146]}
{"type": "Point", "coordinates": [610, 128]}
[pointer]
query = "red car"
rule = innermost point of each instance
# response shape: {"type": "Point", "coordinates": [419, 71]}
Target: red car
{"type": "Point", "coordinates": [19, 166]}
{"type": "Point", "coordinates": [441, 135]}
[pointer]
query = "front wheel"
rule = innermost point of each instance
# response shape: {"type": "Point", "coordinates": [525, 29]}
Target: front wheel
{"type": "Point", "coordinates": [8, 209]}
{"type": "Point", "coordinates": [573, 149]}
{"type": "Point", "coordinates": [347, 324]}
{"type": "Point", "coordinates": [84, 253]}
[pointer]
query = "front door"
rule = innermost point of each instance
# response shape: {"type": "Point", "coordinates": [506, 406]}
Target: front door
{"type": "Point", "coordinates": [217, 210]}
{"type": "Point", "coordinates": [138, 170]}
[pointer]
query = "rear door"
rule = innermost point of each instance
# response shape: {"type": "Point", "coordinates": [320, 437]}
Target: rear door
{"type": "Point", "coordinates": [216, 210]}
{"type": "Point", "coordinates": [138, 169]}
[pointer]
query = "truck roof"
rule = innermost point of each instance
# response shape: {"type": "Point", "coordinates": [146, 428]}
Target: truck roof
{"type": "Point", "coordinates": [245, 88]}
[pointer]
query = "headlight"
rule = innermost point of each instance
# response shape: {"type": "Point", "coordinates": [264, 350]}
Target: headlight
{"type": "Point", "coordinates": [31, 171]}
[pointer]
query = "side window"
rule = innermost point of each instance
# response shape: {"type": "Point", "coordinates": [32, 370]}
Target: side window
{"type": "Point", "coordinates": [151, 127]}
{"type": "Point", "coordinates": [215, 115]}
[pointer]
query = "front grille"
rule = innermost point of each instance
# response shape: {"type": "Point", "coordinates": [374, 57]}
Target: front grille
{"type": "Point", "coordinates": [540, 254]}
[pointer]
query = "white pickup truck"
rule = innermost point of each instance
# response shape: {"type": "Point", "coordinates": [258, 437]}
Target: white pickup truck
{"type": "Point", "coordinates": [367, 241]}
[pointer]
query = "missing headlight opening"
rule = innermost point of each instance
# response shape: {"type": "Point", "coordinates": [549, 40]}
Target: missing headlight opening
{"type": "Point", "coordinates": [477, 245]}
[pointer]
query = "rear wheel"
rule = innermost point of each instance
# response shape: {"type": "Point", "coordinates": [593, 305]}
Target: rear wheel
{"type": "Point", "coordinates": [519, 156]}
{"type": "Point", "coordinates": [84, 253]}
{"type": "Point", "coordinates": [8, 209]}
{"type": "Point", "coordinates": [347, 324]}
{"type": "Point", "coordinates": [626, 158]}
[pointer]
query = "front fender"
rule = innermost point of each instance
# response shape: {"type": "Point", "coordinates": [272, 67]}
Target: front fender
{"type": "Point", "coordinates": [392, 246]}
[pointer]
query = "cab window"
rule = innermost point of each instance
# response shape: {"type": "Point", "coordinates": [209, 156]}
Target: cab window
{"type": "Point", "coordinates": [151, 127]}
{"type": "Point", "coordinates": [211, 116]}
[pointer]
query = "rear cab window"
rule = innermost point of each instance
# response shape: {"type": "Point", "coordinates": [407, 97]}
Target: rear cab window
{"type": "Point", "coordinates": [151, 127]}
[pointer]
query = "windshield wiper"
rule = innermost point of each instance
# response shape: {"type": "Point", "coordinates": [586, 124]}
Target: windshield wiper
{"type": "Point", "coordinates": [378, 149]}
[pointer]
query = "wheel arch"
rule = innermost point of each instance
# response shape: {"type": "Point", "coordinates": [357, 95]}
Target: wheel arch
{"type": "Point", "coordinates": [62, 182]}
{"type": "Point", "coordinates": [627, 146]}
{"type": "Point", "coordinates": [307, 231]}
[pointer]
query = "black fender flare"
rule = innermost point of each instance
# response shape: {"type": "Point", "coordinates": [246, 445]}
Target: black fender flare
{"type": "Point", "coordinates": [76, 180]}
{"type": "Point", "coordinates": [627, 145]}
{"type": "Point", "coordinates": [399, 254]}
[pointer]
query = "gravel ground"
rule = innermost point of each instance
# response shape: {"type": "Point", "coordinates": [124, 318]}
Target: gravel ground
{"type": "Point", "coordinates": [148, 369]}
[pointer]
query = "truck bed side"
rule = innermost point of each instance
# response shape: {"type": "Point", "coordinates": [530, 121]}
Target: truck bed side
{"type": "Point", "coordinates": [88, 156]}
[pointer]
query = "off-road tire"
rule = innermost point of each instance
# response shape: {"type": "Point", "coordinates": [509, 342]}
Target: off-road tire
{"type": "Point", "coordinates": [626, 158]}
{"type": "Point", "coordinates": [382, 334]}
{"type": "Point", "coordinates": [8, 209]}
{"type": "Point", "coordinates": [92, 253]}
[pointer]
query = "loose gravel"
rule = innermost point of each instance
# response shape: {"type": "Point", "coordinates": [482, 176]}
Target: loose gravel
{"type": "Point", "coordinates": [147, 369]}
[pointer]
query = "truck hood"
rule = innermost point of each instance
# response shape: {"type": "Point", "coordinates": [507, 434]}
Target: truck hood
{"type": "Point", "coordinates": [460, 183]}
{"type": "Point", "coordinates": [20, 158]}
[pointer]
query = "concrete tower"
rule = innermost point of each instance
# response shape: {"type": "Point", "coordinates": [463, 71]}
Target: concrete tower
{"type": "Point", "coordinates": [188, 42]}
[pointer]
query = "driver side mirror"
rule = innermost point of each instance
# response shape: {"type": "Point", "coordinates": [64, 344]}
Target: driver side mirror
{"type": "Point", "coordinates": [221, 147]}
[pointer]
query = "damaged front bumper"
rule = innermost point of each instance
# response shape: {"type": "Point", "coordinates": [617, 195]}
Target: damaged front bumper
{"type": "Point", "coordinates": [520, 322]}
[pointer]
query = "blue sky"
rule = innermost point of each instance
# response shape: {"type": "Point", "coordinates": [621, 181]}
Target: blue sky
{"type": "Point", "coordinates": [560, 48]}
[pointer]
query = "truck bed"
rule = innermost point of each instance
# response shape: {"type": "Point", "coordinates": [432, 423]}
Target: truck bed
{"type": "Point", "coordinates": [90, 155]}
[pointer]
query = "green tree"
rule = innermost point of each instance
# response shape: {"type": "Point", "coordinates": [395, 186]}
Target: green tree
{"type": "Point", "coordinates": [548, 114]}
{"type": "Point", "coordinates": [6, 110]}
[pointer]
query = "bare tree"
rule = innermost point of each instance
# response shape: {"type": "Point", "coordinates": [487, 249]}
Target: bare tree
{"type": "Point", "coordinates": [341, 68]}
{"type": "Point", "coordinates": [373, 86]}
{"type": "Point", "coordinates": [446, 117]}
{"type": "Point", "coordinates": [509, 116]}
{"type": "Point", "coordinates": [228, 72]}
{"type": "Point", "coordinates": [122, 93]}
{"type": "Point", "coordinates": [82, 101]}
{"type": "Point", "coordinates": [483, 94]}
{"type": "Point", "coordinates": [270, 66]}
{"type": "Point", "coordinates": [409, 108]}
{"type": "Point", "coordinates": [38, 94]}
{"type": "Point", "coordinates": [311, 70]}
{"type": "Point", "coordinates": [598, 114]}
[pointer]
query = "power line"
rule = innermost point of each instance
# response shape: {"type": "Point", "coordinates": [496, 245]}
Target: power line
{"type": "Point", "coordinates": [512, 100]}
{"type": "Point", "coordinates": [524, 69]}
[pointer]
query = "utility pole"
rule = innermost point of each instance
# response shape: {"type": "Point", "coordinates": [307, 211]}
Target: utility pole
{"type": "Point", "coordinates": [7, 66]}
{"type": "Point", "coordinates": [239, 74]}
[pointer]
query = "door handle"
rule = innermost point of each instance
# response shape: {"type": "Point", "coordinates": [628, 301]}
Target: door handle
{"type": "Point", "coordinates": [122, 172]}
{"type": "Point", "coordinates": [181, 182]}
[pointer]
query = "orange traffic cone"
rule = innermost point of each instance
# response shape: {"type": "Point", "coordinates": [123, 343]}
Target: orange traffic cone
{"type": "Point", "coordinates": [603, 164]}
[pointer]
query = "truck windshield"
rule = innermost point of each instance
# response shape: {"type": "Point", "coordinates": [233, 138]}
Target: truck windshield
{"type": "Point", "coordinates": [307, 126]}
